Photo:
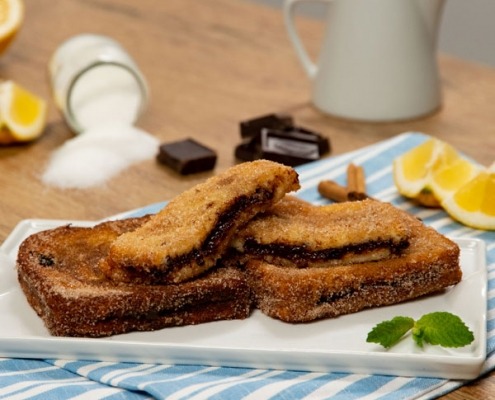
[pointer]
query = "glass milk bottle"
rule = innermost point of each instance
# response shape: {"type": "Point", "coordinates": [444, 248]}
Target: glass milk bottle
{"type": "Point", "coordinates": [96, 82]}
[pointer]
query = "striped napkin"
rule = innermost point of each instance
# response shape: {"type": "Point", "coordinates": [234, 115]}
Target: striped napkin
{"type": "Point", "coordinates": [73, 379]}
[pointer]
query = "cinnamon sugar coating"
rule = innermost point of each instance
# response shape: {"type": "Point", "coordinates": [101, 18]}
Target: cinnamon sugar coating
{"type": "Point", "coordinates": [298, 233]}
{"type": "Point", "coordinates": [430, 264]}
{"type": "Point", "coordinates": [59, 272]}
{"type": "Point", "coordinates": [192, 232]}
{"type": "Point", "coordinates": [298, 262]}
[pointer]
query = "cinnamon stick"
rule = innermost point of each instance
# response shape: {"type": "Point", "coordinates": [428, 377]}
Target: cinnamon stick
{"type": "Point", "coordinates": [356, 181]}
{"type": "Point", "coordinates": [355, 190]}
{"type": "Point", "coordinates": [333, 191]}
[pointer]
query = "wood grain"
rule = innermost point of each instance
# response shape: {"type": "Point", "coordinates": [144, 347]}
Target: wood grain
{"type": "Point", "coordinates": [209, 65]}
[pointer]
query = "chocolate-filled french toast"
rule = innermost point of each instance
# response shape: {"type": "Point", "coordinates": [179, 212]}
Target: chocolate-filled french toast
{"type": "Point", "coordinates": [234, 242]}
{"type": "Point", "coordinates": [297, 233]}
{"type": "Point", "coordinates": [59, 272]}
{"type": "Point", "coordinates": [284, 290]}
{"type": "Point", "coordinates": [194, 230]}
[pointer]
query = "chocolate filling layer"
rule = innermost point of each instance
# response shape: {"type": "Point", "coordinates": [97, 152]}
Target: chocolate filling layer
{"type": "Point", "coordinates": [218, 236]}
{"type": "Point", "coordinates": [303, 254]}
{"type": "Point", "coordinates": [393, 286]}
{"type": "Point", "coordinates": [222, 229]}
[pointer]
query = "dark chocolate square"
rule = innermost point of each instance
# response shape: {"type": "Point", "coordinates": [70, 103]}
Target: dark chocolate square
{"type": "Point", "coordinates": [252, 127]}
{"type": "Point", "coordinates": [187, 156]}
{"type": "Point", "coordinates": [289, 148]}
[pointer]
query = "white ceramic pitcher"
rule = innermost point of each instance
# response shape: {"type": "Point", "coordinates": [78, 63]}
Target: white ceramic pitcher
{"type": "Point", "coordinates": [378, 58]}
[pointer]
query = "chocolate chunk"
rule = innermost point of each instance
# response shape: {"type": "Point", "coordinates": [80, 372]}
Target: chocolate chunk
{"type": "Point", "coordinates": [248, 151]}
{"type": "Point", "coordinates": [252, 128]}
{"type": "Point", "coordinates": [323, 142]}
{"type": "Point", "coordinates": [275, 137]}
{"type": "Point", "coordinates": [292, 147]}
{"type": "Point", "coordinates": [187, 156]}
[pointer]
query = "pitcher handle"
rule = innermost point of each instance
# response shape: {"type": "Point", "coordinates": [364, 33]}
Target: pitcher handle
{"type": "Point", "coordinates": [289, 16]}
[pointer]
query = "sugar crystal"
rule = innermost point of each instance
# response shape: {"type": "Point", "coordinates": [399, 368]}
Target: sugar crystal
{"type": "Point", "coordinates": [98, 154]}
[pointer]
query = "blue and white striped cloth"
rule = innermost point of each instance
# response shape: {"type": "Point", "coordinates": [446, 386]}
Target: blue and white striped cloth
{"type": "Point", "coordinates": [72, 379]}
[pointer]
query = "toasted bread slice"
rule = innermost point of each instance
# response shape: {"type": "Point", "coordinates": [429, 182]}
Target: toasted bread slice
{"type": "Point", "coordinates": [59, 273]}
{"type": "Point", "coordinates": [295, 232]}
{"type": "Point", "coordinates": [430, 264]}
{"type": "Point", "coordinates": [194, 230]}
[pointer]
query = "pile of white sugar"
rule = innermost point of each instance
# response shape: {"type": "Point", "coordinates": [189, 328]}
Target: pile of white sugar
{"type": "Point", "coordinates": [105, 101]}
{"type": "Point", "coordinates": [101, 152]}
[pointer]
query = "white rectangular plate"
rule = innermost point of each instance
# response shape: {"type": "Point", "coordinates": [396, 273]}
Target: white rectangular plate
{"type": "Point", "coordinates": [332, 345]}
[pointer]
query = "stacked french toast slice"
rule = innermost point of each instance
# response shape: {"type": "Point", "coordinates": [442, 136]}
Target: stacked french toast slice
{"type": "Point", "coordinates": [236, 242]}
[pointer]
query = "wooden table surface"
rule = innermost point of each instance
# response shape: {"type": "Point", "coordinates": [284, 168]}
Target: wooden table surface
{"type": "Point", "coordinates": [209, 65]}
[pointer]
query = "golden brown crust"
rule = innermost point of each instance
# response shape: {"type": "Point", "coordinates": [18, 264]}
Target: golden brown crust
{"type": "Point", "coordinates": [192, 232]}
{"type": "Point", "coordinates": [430, 264]}
{"type": "Point", "coordinates": [295, 232]}
{"type": "Point", "coordinates": [58, 271]}
{"type": "Point", "coordinates": [64, 272]}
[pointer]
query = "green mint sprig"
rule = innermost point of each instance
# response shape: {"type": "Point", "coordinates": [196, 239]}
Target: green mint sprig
{"type": "Point", "coordinates": [437, 328]}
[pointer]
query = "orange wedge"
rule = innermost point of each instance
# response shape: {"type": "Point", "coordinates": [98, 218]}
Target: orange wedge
{"type": "Point", "coordinates": [431, 172]}
{"type": "Point", "coordinates": [22, 114]}
{"type": "Point", "coordinates": [448, 178]}
{"type": "Point", "coordinates": [474, 203]}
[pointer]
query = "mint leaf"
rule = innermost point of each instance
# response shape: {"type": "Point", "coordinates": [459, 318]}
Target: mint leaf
{"type": "Point", "coordinates": [437, 328]}
{"type": "Point", "coordinates": [442, 328]}
{"type": "Point", "coordinates": [388, 333]}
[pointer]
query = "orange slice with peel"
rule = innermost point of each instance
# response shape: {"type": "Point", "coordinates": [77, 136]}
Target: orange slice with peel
{"type": "Point", "coordinates": [431, 172]}
{"type": "Point", "coordinates": [22, 114]}
{"type": "Point", "coordinates": [474, 203]}
{"type": "Point", "coordinates": [448, 178]}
